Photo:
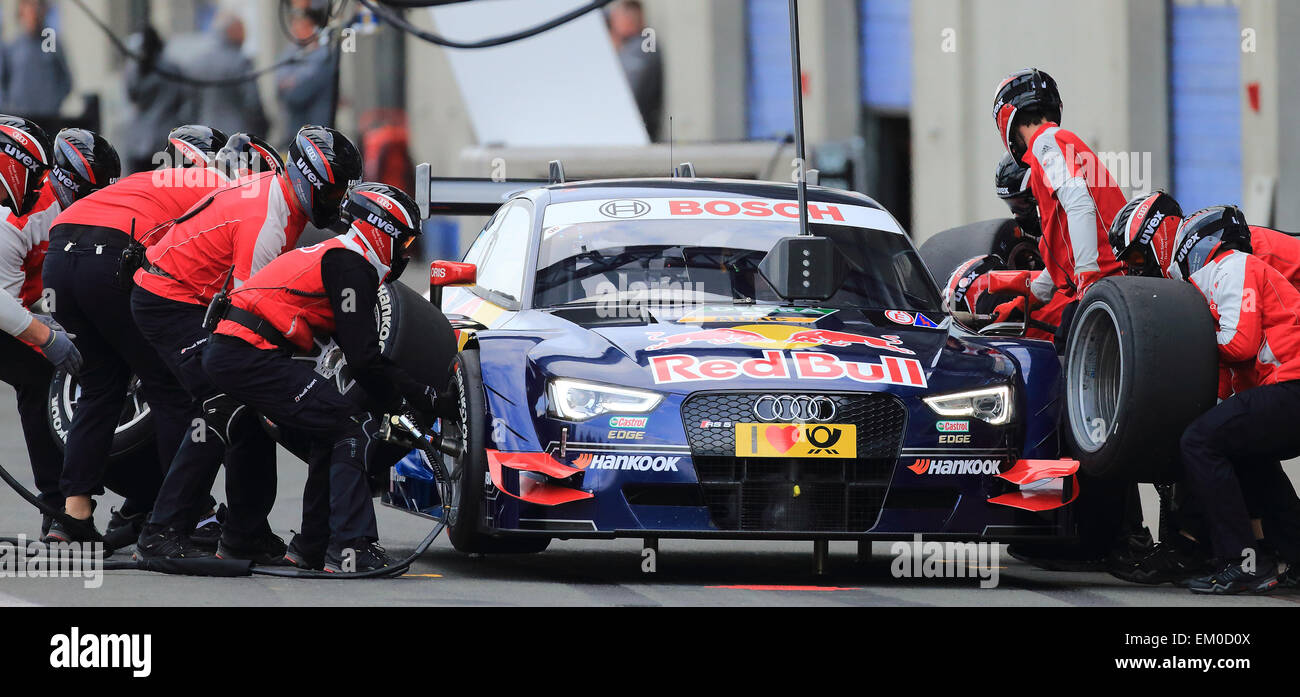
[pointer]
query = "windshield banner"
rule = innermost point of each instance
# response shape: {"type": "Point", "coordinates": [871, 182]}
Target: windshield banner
{"type": "Point", "coordinates": [574, 212]}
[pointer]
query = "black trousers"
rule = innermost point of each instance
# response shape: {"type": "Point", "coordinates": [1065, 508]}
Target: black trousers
{"type": "Point", "coordinates": [91, 305]}
{"type": "Point", "coordinates": [336, 500]}
{"type": "Point", "coordinates": [30, 375]}
{"type": "Point", "coordinates": [176, 331]}
{"type": "Point", "coordinates": [1230, 455]}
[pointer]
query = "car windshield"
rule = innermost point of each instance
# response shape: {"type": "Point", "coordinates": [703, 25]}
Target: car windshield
{"type": "Point", "coordinates": [716, 262]}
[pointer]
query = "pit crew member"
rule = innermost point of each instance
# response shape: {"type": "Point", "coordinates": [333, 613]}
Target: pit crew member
{"type": "Point", "coordinates": [1257, 313]}
{"type": "Point", "coordinates": [31, 346]}
{"type": "Point", "coordinates": [312, 294]}
{"type": "Point", "coordinates": [92, 280]}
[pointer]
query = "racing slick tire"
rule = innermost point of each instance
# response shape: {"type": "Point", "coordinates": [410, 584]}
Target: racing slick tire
{"type": "Point", "coordinates": [943, 252]}
{"type": "Point", "coordinates": [469, 472]}
{"type": "Point", "coordinates": [414, 334]}
{"type": "Point", "coordinates": [1141, 363]}
{"type": "Point", "coordinates": [134, 427]}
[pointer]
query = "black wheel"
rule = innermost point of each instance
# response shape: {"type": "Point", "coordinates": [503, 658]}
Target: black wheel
{"type": "Point", "coordinates": [134, 427]}
{"type": "Point", "coordinates": [414, 334]}
{"type": "Point", "coordinates": [469, 473]}
{"type": "Point", "coordinates": [1141, 363]}
{"type": "Point", "coordinates": [943, 252]}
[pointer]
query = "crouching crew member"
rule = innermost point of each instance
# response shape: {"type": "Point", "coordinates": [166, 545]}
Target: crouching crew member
{"type": "Point", "coordinates": [31, 346]}
{"type": "Point", "coordinates": [92, 281]}
{"type": "Point", "coordinates": [1257, 313]}
{"type": "Point", "coordinates": [309, 294]}
{"type": "Point", "coordinates": [225, 239]}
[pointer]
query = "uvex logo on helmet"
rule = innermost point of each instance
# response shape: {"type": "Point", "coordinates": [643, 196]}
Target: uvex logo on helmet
{"type": "Point", "coordinates": [21, 156]}
{"type": "Point", "coordinates": [1149, 230]}
{"type": "Point", "coordinates": [65, 179]}
{"type": "Point", "coordinates": [310, 174]}
{"type": "Point", "coordinates": [383, 225]}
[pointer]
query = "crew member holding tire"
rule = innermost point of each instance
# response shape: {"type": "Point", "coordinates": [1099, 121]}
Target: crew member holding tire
{"type": "Point", "coordinates": [92, 280]}
{"type": "Point", "coordinates": [1076, 195]}
{"type": "Point", "coordinates": [315, 293]}
{"type": "Point", "coordinates": [224, 240]}
{"type": "Point", "coordinates": [31, 346]}
{"type": "Point", "coordinates": [1237, 443]}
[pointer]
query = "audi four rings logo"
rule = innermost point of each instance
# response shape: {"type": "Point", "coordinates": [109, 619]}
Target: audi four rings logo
{"type": "Point", "coordinates": [794, 408]}
{"type": "Point", "coordinates": [624, 208]}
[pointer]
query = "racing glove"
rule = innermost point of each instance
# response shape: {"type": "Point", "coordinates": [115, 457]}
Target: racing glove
{"type": "Point", "coordinates": [423, 401]}
{"type": "Point", "coordinates": [1007, 310]}
{"type": "Point", "coordinates": [60, 351]}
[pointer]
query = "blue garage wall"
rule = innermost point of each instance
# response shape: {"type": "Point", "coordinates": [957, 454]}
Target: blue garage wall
{"type": "Point", "coordinates": [886, 41]}
{"type": "Point", "coordinates": [1205, 104]}
{"type": "Point", "coordinates": [770, 109]}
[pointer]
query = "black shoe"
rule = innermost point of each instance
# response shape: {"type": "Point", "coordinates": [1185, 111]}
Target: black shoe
{"type": "Point", "coordinates": [1290, 578]}
{"type": "Point", "coordinates": [266, 550]}
{"type": "Point", "coordinates": [1233, 579]}
{"type": "Point", "coordinates": [1169, 563]}
{"type": "Point", "coordinates": [124, 530]}
{"type": "Point", "coordinates": [365, 556]}
{"type": "Point", "coordinates": [166, 543]}
{"type": "Point", "coordinates": [208, 533]}
{"type": "Point", "coordinates": [304, 555]}
{"type": "Point", "coordinates": [61, 532]}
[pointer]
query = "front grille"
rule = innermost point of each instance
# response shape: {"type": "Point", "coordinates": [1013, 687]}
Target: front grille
{"type": "Point", "coordinates": [760, 494]}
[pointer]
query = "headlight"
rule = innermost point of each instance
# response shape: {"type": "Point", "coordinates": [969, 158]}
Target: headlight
{"type": "Point", "coordinates": [991, 404]}
{"type": "Point", "coordinates": [577, 400]}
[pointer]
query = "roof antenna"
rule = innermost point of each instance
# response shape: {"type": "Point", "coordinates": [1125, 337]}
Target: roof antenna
{"type": "Point", "coordinates": [670, 144]}
{"type": "Point", "coordinates": [797, 78]}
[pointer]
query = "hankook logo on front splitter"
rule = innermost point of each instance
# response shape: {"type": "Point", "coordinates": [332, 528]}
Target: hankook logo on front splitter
{"type": "Point", "coordinates": [950, 466]}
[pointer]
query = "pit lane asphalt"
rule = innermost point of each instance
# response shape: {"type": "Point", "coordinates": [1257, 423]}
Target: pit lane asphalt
{"type": "Point", "coordinates": [602, 572]}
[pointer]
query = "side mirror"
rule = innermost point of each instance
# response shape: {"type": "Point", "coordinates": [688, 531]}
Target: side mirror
{"type": "Point", "coordinates": [449, 273]}
{"type": "Point", "coordinates": [1013, 282]}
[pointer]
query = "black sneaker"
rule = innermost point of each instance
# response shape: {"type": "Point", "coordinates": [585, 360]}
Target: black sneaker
{"type": "Point", "coordinates": [166, 543]}
{"type": "Point", "coordinates": [61, 532]}
{"type": "Point", "coordinates": [304, 555]}
{"type": "Point", "coordinates": [124, 530]}
{"type": "Point", "coordinates": [1168, 563]}
{"type": "Point", "coordinates": [1290, 578]}
{"type": "Point", "coordinates": [365, 556]}
{"type": "Point", "coordinates": [207, 534]}
{"type": "Point", "coordinates": [265, 550]}
{"type": "Point", "coordinates": [1233, 579]}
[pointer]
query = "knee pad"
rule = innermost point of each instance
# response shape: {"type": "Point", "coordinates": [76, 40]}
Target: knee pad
{"type": "Point", "coordinates": [219, 415]}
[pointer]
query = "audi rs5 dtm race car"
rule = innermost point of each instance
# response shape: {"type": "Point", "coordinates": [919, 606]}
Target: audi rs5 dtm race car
{"type": "Point", "coordinates": [672, 358]}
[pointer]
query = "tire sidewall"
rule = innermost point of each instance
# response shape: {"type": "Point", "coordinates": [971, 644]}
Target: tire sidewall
{"type": "Point", "coordinates": [59, 417]}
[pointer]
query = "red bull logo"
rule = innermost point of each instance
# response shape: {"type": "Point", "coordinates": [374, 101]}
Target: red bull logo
{"type": "Point", "coordinates": [775, 337]}
{"type": "Point", "coordinates": [803, 365]}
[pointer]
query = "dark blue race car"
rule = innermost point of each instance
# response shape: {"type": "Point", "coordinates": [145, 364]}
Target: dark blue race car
{"type": "Point", "coordinates": [641, 358]}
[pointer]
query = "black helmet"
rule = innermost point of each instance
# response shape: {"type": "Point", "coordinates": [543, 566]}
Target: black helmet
{"type": "Point", "coordinates": [387, 217]}
{"type": "Point", "coordinates": [322, 164]}
{"type": "Point", "coordinates": [83, 162]}
{"type": "Point", "coordinates": [245, 154]}
{"type": "Point", "coordinates": [194, 146]}
{"type": "Point", "coordinates": [24, 159]}
{"type": "Point", "coordinates": [1142, 234]}
{"type": "Point", "coordinates": [1203, 235]}
{"type": "Point", "coordinates": [1026, 91]}
{"type": "Point", "coordinates": [1011, 183]}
